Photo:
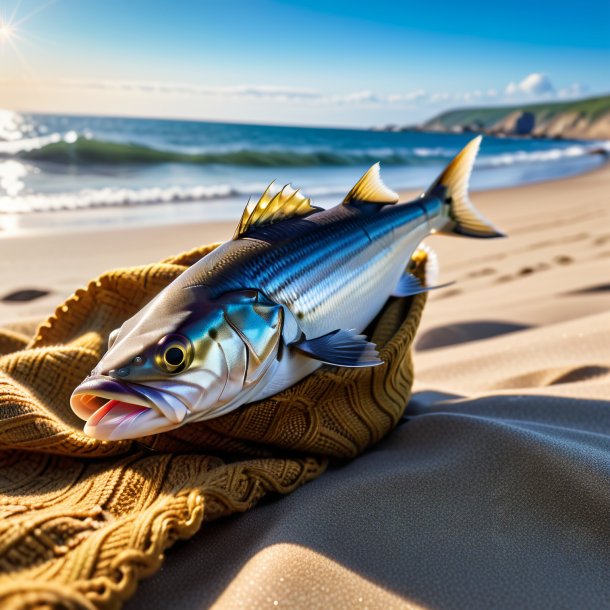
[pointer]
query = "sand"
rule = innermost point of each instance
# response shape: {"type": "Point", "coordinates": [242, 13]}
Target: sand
{"type": "Point", "coordinates": [494, 493]}
{"type": "Point", "coordinates": [59, 263]}
{"type": "Point", "coordinates": [559, 246]}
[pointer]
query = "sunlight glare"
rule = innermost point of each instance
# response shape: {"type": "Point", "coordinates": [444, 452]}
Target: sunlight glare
{"type": "Point", "coordinates": [11, 178]}
{"type": "Point", "coordinates": [6, 31]}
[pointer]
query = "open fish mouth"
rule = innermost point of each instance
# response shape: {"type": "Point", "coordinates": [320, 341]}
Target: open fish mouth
{"type": "Point", "coordinates": [116, 410]}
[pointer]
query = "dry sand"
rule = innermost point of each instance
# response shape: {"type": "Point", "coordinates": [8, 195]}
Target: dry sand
{"type": "Point", "coordinates": [495, 493]}
{"type": "Point", "coordinates": [554, 266]}
{"type": "Point", "coordinates": [559, 246]}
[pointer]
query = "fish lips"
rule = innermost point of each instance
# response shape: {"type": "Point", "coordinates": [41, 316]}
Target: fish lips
{"type": "Point", "coordinates": [118, 410]}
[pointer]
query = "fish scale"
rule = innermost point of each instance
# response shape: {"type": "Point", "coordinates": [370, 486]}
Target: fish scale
{"type": "Point", "coordinates": [321, 270]}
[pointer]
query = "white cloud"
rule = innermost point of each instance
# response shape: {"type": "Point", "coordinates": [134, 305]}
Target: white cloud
{"type": "Point", "coordinates": [270, 92]}
{"type": "Point", "coordinates": [573, 90]}
{"type": "Point", "coordinates": [535, 84]}
{"type": "Point", "coordinates": [435, 98]}
{"type": "Point", "coordinates": [358, 97]}
{"type": "Point", "coordinates": [259, 91]}
{"type": "Point", "coordinates": [411, 96]}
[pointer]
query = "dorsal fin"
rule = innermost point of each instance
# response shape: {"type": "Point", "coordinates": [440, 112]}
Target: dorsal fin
{"type": "Point", "coordinates": [273, 208]}
{"type": "Point", "coordinates": [371, 189]}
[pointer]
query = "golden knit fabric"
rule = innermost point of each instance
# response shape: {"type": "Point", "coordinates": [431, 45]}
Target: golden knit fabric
{"type": "Point", "coordinates": [81, 521]}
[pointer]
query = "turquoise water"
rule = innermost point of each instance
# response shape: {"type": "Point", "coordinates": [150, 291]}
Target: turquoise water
{"type": "Point", "coordinates": [169, 171]}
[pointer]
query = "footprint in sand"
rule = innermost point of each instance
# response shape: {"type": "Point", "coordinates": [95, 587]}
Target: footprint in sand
{"type": "Point", "coordinates": [482, 272]}
{"type": "Point", "coordinates": [25, 295]}
{"type": "Point", "coordinates": [561, 259]}
{"type": "Point", "coordinates": [553, 376]}
{"type": "Point", "coordinates": [465, 332]}
{"type": "Point", "coordinates": [530, 270]}
{"type": "Point", "coordinates": [446, 294]}
{"type": "Point", "coordinates": [581, 373]}
{"type": "Point", "coordinates": [601, 240]}
{"type": "Point", "coordinates": [592, 289]}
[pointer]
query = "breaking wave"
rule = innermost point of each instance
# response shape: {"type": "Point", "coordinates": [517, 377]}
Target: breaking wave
{"type": "Point", "coordinates": [74, 150]}
{"type": "Point", "coordinates": [114, 197]}
{"type": "Point", "coordinates": [553, 154]}
{"type": "Point", "coordinates": [85, 151]}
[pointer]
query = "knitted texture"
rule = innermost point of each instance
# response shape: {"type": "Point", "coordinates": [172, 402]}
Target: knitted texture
{"type": "Point", "coordinates": [83, 520]}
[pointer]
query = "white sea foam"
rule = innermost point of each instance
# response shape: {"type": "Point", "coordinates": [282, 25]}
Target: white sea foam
{"type": "Point", "coordinates": [17, 201]}
{"type": "Point", "coordinates": [523, 156]}
{"type": "Point", "coordinates": [112, 197]}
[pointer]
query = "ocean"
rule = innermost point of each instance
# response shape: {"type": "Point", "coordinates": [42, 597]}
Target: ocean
{"type": "Point", "coordinates": [61, 171]}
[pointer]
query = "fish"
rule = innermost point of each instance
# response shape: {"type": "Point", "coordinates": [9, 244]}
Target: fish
{"type": "Point", "coordinates": [294, 289]}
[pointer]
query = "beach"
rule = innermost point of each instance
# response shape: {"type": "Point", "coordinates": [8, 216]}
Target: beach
{"type": "Point", "coordinates": [451, 449]}
{"type": "Point", "coordinates": [552, 268]}
{"type": "Point", "coordinates": [493, 493]}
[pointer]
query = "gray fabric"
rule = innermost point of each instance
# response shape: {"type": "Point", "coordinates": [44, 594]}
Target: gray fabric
{"type": "Point", "coordinates": [495, 502]}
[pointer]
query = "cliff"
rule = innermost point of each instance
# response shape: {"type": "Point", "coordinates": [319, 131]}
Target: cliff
{"type": "Point", "coordinates": [587, 119]}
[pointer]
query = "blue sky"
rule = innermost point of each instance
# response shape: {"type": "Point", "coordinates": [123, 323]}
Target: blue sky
{"type": "Point", "coordinates": [341, 63]}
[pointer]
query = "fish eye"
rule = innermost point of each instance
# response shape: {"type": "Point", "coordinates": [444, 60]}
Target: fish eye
{"type": "Point", "coordinates": [174, 353]}
{"type": "Point", "coordinates": [174, 356]}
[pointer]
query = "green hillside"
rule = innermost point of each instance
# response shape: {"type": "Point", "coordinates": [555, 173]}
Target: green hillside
{"type": "Point", "coordinates": [589, 110]}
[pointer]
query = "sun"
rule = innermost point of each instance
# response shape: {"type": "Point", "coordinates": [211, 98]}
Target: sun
{"type": "Point", "coordinates": [12, 35]}
{"type": "Point", "coordinates": [6, 31]}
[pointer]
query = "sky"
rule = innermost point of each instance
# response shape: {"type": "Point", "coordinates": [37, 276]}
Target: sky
{"type": "Point", "coordinates": [320, 62]}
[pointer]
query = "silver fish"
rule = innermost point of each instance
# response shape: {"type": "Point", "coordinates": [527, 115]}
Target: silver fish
{"type": "Point", "coordinates": [294, 288]}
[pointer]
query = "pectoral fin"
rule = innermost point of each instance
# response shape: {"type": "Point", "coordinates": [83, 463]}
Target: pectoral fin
{"type": "Point", "coordinates": [408, 285]}
{"type": "Point", "coordinates": [341, 348]}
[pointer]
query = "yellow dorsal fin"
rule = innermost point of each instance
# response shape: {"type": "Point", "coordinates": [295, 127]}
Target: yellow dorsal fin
{"type": "Point", "coordinates": [273, 208]}
{"type": "Point", "coordinates": [371, 189]}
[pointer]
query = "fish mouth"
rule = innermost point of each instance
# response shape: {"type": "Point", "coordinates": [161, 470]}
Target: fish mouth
{"type": "Point", "coordinates": [116, 410]}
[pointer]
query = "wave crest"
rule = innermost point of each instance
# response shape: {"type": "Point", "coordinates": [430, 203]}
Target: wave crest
{"type": "Point", "coordinates": [90, 151]}
{"type": "Point", "coordinates": [113, 197]}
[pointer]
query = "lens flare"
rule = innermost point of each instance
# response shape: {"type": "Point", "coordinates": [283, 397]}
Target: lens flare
{"type": "Point", "coordinates": [12, 35]}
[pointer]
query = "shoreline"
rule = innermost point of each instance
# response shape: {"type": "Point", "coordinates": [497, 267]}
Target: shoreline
{"type": "Point", "coordinates": [57, 263]}
{"type": "Point", "coordinates": [156, 214]}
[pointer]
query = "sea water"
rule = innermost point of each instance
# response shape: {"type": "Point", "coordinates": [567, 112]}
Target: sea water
{"type": "Point", "coordinates": [61, 171]}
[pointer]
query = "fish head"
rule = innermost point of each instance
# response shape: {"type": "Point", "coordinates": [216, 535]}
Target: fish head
{"type": "Point", "coordinates": [170, 365]}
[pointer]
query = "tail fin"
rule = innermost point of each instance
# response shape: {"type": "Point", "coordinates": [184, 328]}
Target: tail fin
{"type": "Point", "coordinates": [451, 187]}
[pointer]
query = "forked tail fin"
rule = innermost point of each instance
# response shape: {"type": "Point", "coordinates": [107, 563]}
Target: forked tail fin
{"type": "Point", "coordinates": [451, 187]}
